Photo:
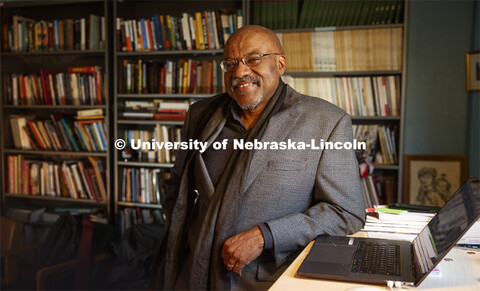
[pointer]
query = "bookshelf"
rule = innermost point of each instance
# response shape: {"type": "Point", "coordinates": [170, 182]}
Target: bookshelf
{"type": "Point", "coordinates": [43, 44]}
{"type": "Point", "coordinates": [328, 60]}
{"type": "Point", "coordinates": [153, 56]}
{"type": "Point", "coordinates": [113, 60]}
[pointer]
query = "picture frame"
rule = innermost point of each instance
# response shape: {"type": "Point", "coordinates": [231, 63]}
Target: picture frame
{"type": "Point", "coordinates": [432, 179]}
{"type": "Point", "coordinates": [473, 71]}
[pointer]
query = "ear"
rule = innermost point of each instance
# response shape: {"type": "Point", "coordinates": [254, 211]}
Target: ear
{"type": "Point", "coordinates": [282, 64]}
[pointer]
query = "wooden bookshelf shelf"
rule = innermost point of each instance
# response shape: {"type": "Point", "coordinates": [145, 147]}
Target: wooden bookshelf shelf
{"type": "Point", "coordinates": [53, 107]}
{"type": "Point", "coordinates": [337, 28]}
{"type": "Point", "coordinates": [149, 122]}
{"type": "Point", "coordinates": [30, 3]}
{"type": "Point", "coordinates": [386, 167]}
{"type": "Point", "coordinates": [54, 198]}
{"type": "Point", "coordinates": [165, 96]}
{"type": "Point", "coordinates": [172, 53]}
{"type": "Point", "coordinates": [145, 164]}
{"type": "Point", "coordinates": [340, 74]}
{"type": "Point", "coordinates": [55, 53]}
{"type": "Point", "coordinates": [55, 153]}
{"type": "Point", "coordinates": [141, 205]}
{"type": "Point", "coordinates": [376, 118]}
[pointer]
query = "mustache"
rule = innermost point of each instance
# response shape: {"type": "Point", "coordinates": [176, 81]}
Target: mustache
{"type": "Point", "coordinates": [247, 78]}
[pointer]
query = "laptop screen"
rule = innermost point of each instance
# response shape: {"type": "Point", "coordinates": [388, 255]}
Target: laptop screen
{"type": "Point", "coordinates": [447, 227]}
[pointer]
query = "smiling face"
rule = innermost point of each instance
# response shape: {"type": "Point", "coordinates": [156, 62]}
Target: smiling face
{"type": "Point", "coordinates": [253, 87]}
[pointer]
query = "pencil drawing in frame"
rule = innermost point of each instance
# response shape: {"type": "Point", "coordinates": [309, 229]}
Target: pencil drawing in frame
{"type": "Point", "coordinates": [473, 71]}
{"type": "Point", "coordinates": [432, 179]}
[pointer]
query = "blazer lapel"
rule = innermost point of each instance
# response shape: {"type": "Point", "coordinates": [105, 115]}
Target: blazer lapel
{"type": "Point", "coordinates": [214, 126]}
{"type": "Point", "coordinates": [279, 126]}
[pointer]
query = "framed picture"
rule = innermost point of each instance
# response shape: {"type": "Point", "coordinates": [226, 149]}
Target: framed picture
{"type": "Point", "coordinates": [473, 71]}
{"type": "Point", "coordinates": [432, 179]}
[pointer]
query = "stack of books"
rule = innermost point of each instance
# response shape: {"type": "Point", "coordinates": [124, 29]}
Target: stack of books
{"type": "Point", "coordinates": [157, 110]}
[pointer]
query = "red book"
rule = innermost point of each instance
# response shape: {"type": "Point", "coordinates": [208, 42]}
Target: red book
{"type": "Point", "coordinates": [51, 43]}
{"type": "Point", "coordinates": [98, 79]}
{"type": "Point", "coordinates": [34, 130]}
{"type": "Point", "coordinates": [162, 80]}
{"type": "Point", "coordinates": [150, 35]}
{"type": "Point", "coordinates": [169, 116]}
{"type": "Point", "coordinates": [46, 87]}
{"type": "Point", "coordinates": [5, 37]}
{"type": "Point", "coordinates": [193, 77]}
{"type": "Point", "coordinates": [23, 90]}
{"type": "Point", "coordinates": [89, 174]}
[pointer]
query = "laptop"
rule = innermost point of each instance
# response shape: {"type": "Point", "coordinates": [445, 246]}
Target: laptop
{"type": "Point", "coordinates": [378, 261]}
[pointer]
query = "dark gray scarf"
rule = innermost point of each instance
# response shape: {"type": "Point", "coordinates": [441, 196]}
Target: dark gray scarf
{"type": "Point", "coordinates": [220, 222]}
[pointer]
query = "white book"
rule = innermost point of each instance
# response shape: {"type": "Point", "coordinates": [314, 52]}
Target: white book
{"type": "Point", "coordinates": [186, 31]}
{"type": "Point", "coordinates": [51, 180]}
{"type": "Point", "coordinates": [165, 138]}
{"type": "Point", "coordinates": [136, 35]}
{"type": "Point", "coordinates": [78, 182]}
{"type": "Point", "coordinates": [154, 36]}
{"type": "Point", "coordinates": [83, 34]}
{"type": "Point", "coordinates": [58, 190]}
{"type": "Point", "coordinates": [330, 58]}
{"type": "Point", "coordinates": [126, 23]}
{"type": "Point", "coordinates": [103, 32]}
{"type": "Point", "coordinates": [192, 31]}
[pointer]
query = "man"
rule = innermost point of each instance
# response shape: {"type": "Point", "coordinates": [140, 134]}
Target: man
{"type": "Point", "coordinates": [236, 218]}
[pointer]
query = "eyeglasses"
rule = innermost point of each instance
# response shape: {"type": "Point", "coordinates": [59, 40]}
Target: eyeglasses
{"type": "Point", "coordinates": [250, 60]}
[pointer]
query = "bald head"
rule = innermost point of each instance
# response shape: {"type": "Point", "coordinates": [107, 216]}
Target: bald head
{"type": "Point", "coordinates": [269, 37]}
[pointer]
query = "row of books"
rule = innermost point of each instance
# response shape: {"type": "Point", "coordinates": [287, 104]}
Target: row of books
{"type": "Point", "coordinates": [288, 14]}
{"type": "Point", "coordinates": [128, 217]}
{"type": "Point", "coordinates": [60, 133]}
{"type": "Point", "coordinates": [161, 133]}
{"type": "Point", "coordinates": [358, 96]}
{"type": "Point", "coordinates": [381, 143]}
{"type": "Point", "coordinates": [78, 179]}
{"type": "Point", "coordinates": [156, 110]}
{"type": "Point", "coordinates": [79, 86]}
{"type": "Point", "coordinates": [201, 31]}
{"type": "Point", "coordinates": [30, 35]}
{"type": "Point", "coordinates": [143, 185]}
{"type": "Point", "coordinates": [344, 50]}
{"type": "Point", "coordinates": [171, 77]}
{"type": "Point", "coordinates": [378, 190]}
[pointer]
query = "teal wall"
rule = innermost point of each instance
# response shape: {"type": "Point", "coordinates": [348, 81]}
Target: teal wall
{"type": "Point", "coordinates": [437, 115]}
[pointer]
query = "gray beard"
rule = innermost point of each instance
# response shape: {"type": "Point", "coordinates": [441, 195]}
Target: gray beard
{"type": "Point", "coordinates": [252, 106]}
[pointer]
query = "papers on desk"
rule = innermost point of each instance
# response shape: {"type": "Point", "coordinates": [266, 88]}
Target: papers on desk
{"type": "Point", "coordinates": [402, 226]}
{"type": "Point", "coordinates": [472, 237]}
{"type": "Point", "coordinates": [406, 226]}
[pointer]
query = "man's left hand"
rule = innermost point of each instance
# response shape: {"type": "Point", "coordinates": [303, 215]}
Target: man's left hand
{"type": "Point", "coordinates": [241, 249]}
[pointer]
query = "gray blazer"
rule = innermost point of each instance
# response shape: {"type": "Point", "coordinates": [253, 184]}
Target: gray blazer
{"type": "Point", "coordinates": [299, 193]}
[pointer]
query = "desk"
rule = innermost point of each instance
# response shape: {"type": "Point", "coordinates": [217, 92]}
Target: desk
{"type": "Point", "coordinates": [462, 272]}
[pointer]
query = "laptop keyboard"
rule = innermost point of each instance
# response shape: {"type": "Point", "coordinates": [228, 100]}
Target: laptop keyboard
{"type": "Point", "coordinates": [377, 258]}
